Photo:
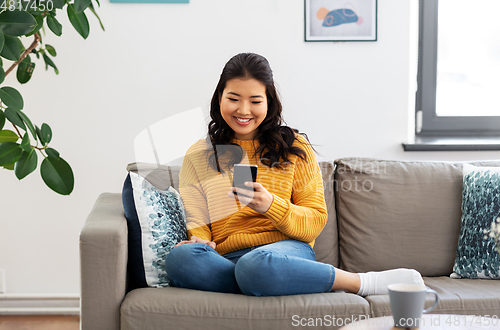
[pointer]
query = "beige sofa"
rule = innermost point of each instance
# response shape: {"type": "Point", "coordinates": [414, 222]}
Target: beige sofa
{"type": "Point", "coordinates": [382, 215]}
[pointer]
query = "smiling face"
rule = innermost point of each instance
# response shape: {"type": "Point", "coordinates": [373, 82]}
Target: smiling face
{"type": "Point", "coordinates": [243, 106]}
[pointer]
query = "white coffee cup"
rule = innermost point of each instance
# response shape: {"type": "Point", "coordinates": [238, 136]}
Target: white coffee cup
{"type": "Point", "coordinates": [407, 303]}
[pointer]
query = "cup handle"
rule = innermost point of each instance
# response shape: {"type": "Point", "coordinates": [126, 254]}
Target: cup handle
{"type": "Point", "coordinates": [436, 300]}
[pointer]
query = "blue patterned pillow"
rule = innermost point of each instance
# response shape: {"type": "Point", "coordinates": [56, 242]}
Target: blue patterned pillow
{"type": "Point", "coordinates": [156, 222]}
{"type": "Point", "coordinates": [476, 255]}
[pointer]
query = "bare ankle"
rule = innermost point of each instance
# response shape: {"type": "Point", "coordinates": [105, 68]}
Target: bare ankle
{"type": "Point", "coordinates": [349, 282]}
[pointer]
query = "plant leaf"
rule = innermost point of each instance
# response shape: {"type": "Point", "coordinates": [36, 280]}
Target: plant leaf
{"type": "Point", "coordinates": [52, 152]}
{"type": "Point", "coordinates": [54, 25]}
{"type": "Point", "coordinates": [48, 61]}
{"type": "Point", "coordinates": [11, 97]}
{"type": "Point", "coordinates": [59, 4]}
{"type": "Point", "coordinates": [57, 175]}
{"type": "Point", "coordinates": [25, 70]}
{"type": "Point", "coordinates": [51, 50]}
{"type": "Point", "coordinates": [81, 5]}
{"type": "Point", "coordinates": [26, 164]}
{"type": "Point", "coordinates": [28, 123]}
{"type": "Point", "coordinates": [2, 41]}
{"type": "Point", "coordinates": [11, 49]}
{"type": "Point", "coordinates": [14, 118]}
{"type": "Point", "coordinates": [2, 119]}
{"type": "Point", "coordinates": [2, 74]}
{"type": "Point", "coordinates": [16, 22]}
{"type": "Point", "coordinates": [8, 136]}
{"type": "Point", "coordinates": [39, 134]}
{"type": "Point", "coordinates": [27, 59]}
{"type": "Point", "coordinates": [39, 24]}
{"type": "Point", "coordinates": [46, 132]}
{"type": "Point", "coordinates": [25, 143]}
{"type": "Point", "coordinates": [79, 21]}
{"type": "Point", "coordinates": [91, 7]}
{"type": "Point", "coordinates": [10, 152]}
{"type": "Point", "coordinates": [20, 45]}
{"type": "Point", "coordinates": [9, 167]}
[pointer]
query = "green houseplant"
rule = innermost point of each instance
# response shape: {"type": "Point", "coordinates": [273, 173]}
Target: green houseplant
{"type": "Point", "coordinates": [19, 147]}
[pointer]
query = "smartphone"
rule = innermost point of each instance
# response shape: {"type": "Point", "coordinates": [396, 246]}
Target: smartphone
{"type": "Point", "coordinates": [243, 173]}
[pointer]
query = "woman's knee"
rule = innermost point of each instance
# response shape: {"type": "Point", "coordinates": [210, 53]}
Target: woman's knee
{"type": "Point", "coordinates": [256, 273]}
{"type": "Point", "coordinates": [183, 255]}
{"type": "Point", "coordinates": [198, 266]}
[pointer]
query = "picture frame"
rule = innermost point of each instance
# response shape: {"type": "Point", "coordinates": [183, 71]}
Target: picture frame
{"type": "Point", "coordinates": [340, 20]}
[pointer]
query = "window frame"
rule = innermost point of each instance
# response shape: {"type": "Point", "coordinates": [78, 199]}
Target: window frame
{"type": "Point", "coordinates": [430, 124]}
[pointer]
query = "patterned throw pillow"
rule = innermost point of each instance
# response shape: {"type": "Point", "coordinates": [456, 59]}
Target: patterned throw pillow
{"type": "Point", "coordinates": [156, 222]}
{"type": "Point", "coordinates": [476, 255]}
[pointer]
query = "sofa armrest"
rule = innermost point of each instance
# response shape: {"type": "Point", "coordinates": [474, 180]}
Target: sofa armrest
{"type": "Point", "coordinates": [103, 264]}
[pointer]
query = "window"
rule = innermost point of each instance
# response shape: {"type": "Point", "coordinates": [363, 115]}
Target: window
{"type": "Point", "coordinates": [459, 69]}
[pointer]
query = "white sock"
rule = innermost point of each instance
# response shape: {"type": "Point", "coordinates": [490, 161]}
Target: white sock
{"type": "Point", "coordinates": [377, 282]}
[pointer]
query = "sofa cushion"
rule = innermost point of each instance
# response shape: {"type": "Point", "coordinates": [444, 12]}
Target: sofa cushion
{"type": "Point", "coordinates": [456, 296]}
{"type": "Point", "coordinates": [160, 176]}
{"type": "Point", "coordinates": [466, 296]}
{"type": "Point", "coordinates": [476, 255]}
{"type": "Point", "coordinates": [156, 223]}
{"type": "Point", "coordinates": [326, 246]}
{"type": "Point", "coordinates": [395, 214]}
{"type": "Point", "coordinates": [191, 309]}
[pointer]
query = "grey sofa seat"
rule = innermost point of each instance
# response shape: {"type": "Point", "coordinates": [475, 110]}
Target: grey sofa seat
{"type": "Point", "coordinates": [466, 296]}
{"type": "Point", "coordinates": [190, 309]}
{"type": "Point", "coordinates": [408, 215]}
{"type": "Point", "coordinates": [456, 296]}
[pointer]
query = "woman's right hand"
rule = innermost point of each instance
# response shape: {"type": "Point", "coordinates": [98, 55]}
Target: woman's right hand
{"type": "Point", "coordinates": [195, 239]}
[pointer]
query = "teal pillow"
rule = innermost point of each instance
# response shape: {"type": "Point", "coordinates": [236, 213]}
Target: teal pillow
{"type": "Point", "coordinates": [476, 255]}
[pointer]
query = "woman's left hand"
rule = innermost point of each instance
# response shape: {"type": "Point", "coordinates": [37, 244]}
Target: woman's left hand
{"type": "Point", "coordinates": [259, 200]}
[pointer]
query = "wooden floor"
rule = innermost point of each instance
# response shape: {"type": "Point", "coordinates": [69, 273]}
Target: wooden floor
{"type": "Point", "coordinates": [39, 322]}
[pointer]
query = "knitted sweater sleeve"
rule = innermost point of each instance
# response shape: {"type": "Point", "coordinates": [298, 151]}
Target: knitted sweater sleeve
{"type": "Point", "coordinates": [304, 217]}
{"type": "Point", "coordinates": [195, 202]}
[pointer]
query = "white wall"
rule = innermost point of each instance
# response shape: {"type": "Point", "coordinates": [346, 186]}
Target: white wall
{"type": "Point", "coordinates": [156, 60]}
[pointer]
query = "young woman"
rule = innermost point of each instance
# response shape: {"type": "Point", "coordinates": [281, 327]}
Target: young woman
{"type": "Point", "coordinates": [259, 242]}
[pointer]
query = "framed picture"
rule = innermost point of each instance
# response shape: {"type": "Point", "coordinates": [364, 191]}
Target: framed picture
{"type": "Point", "coordinates": [340, 20]}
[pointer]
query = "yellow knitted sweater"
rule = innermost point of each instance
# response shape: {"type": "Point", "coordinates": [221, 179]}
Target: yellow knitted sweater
{"type": "Point", "coordinates": [298, 210]}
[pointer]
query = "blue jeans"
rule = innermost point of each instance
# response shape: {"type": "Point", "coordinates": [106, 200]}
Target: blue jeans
{"type": "Point", "coordinates": [282, 268]}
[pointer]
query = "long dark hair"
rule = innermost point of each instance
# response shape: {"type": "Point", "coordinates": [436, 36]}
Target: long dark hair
{"type": "Point", "coordinates": [275, 138]}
